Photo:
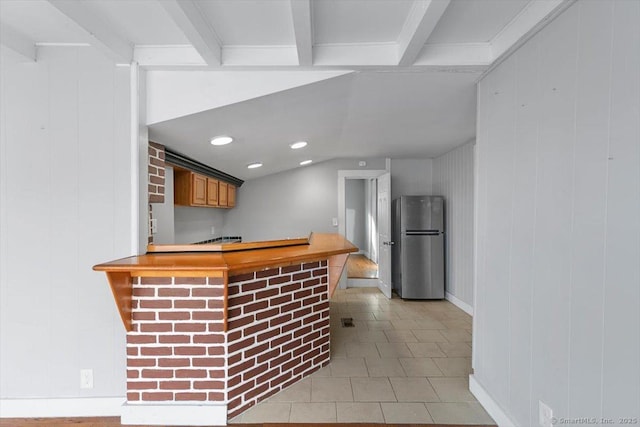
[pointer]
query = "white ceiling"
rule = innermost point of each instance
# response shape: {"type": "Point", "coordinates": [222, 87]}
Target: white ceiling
{"type": "Point", "coordinates": [411, 92]}
{"type": "Point", "coordinates": [363, 114]}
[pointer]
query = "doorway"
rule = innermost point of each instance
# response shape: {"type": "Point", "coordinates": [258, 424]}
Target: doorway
{"type": "Point", "coordinates": [378, 189]}
{"type": "Point", "coordinates": [361, 230]}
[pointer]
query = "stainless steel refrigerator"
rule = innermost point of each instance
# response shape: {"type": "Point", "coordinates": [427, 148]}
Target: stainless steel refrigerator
{"type": "Point", "coordinates": [417, 229]}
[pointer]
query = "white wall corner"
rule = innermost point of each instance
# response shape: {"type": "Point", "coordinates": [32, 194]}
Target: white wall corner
{"type": "Point", "coordinates": [459, 303]}
{"type": "Point", "coordinates": [489, 404]}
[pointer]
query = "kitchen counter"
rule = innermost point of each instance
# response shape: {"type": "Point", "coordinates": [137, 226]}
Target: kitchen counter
{"type": "Point", "coordinates": [224, 329]}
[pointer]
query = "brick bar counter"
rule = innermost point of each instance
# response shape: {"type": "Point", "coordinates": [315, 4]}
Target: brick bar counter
{"type": "Point", "coordinates": [210, 334]}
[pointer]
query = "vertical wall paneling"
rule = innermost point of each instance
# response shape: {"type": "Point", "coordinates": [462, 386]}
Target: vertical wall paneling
{"type": "Point", "coordinates": [66, 185]}
{"type": "Point", "coordinates": [589, 207]}
{"type": "Point", "coordinates": [552, 254]}
{"type": "Point", "coordinates": [523, 225]}
{"type": "Point", "coordinates": [558, 220]}
{"type": "Point", "coordinates": [621, 334]}
{"type": "Point", "coordinates": [453, 179]}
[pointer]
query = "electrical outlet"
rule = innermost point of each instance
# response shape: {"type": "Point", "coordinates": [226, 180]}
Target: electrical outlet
{"type": "Point", "coordinates": [545, 415]}
{"type": "Point", "coordinates": [334, 221]}
{"type": "Point", "coordinates": [213, 231]}
{"type": "Point", "coordinates": [86, 378]}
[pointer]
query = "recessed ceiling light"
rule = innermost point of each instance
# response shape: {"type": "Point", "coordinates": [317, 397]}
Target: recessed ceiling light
{"type": "Point", "coordinates": [306, 162]}
{"type": "Point", "coordinates": [221, 140]}
{"type": "Point", "coordinates": [254, 165]}
{"type": "Point", "coordinates": [299, 144]}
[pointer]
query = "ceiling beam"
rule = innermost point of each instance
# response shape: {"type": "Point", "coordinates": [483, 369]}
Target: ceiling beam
{"type": "Point", "coordinates": [102, 35]}
{"type": "Point", "coordinates": [422, 19]}
{"type": "Point", "coordinates": [535, 15]}
{"type": "Point", "coordinates": [18, 43]}
{"type": "Point", "coordinates": [189, 18]}
{"type": "Point", "coordinates": [303, 29]}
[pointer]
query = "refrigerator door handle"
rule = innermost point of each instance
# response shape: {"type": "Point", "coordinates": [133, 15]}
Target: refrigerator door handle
{"type": "Point", "coordinates": [422, 232]}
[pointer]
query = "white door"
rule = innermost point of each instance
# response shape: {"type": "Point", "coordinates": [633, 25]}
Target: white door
{"type": "Point", "coordinates": [384, 234]}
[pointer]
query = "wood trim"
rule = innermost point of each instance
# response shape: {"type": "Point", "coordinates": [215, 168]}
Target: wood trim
{"type": "Point", "coordinates": [115, 422]}
{"type": "Point", "coordinates": [122, 290]}
{"type": "Point", "coordinates": [336, 265]}
{"type": "Point", "coordinates": [228, 247]}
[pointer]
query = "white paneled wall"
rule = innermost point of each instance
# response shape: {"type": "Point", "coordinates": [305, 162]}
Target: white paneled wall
{"type": "Point", "coordinates": [558, 236]}
{"type": "Point", "coordinates": [453, 179]}
{"type": "Point", "coordinates": [65, 205]}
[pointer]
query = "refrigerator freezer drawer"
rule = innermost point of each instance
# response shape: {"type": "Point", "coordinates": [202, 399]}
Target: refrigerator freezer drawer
{"type": "Point", "coordinates": [422, 266]}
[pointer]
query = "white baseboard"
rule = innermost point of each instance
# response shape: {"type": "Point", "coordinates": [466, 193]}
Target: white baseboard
{"type": "Point", "coordinates": [362, 283]}
{"type": "Point", "coordinates": [459, 303]}
{"type": "Point", "coordinates": [186, 414]}
{"type": "Point", "coordinates": [489, 404]}
{"type": "Point", "coordinates": [53, 408]}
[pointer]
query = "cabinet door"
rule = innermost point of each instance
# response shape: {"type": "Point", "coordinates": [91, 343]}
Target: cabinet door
{"type": "Point", "coordinates": [212, 192]}
{"type": "Point", "coordinates": [231, 196]}
{"type": "Point", "coordinates": [222, 194]}
{"type": "Point", "coordinates": [198, 189]}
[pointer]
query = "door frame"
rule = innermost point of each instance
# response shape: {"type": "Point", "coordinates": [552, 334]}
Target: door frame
{"type": "Point", "coordinates": [343, 175]}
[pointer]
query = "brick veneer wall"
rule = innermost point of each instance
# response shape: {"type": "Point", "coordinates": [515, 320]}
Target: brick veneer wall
{"type": "Point", "coordinates": [278, 331]}
{"type": "Point", "coordinates": [156, 168]}
{"type": "Point", "coordinates": [177, 349]}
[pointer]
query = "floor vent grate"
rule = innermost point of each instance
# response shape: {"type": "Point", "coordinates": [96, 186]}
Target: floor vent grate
{"type": "Point", "coordinates": [347, 322]}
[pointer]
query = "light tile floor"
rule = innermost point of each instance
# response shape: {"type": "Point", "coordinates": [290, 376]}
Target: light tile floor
{"type": "Point", "coordinates": [403, 362]}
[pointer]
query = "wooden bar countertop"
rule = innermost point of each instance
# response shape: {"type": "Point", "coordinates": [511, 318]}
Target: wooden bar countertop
{"type": "Point", "coordinates": [201, 264]}
{"type": "Point", "coordinates": [332, 247]}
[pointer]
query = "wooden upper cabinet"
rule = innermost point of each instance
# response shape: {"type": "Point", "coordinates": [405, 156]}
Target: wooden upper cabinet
{"type": "Point", "coordinates": [212, 192]}
{"type": "Point", "coordinates": [198, 189]}
{"type": "Point", "coordinates": [222, 194]}
{"type": "Point", "coordinates": [193, 189]}
{"type": "Point", "coordinates": [231, 196]}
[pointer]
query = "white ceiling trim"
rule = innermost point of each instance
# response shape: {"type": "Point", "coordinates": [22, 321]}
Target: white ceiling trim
{"type": "Point", "coordinates": [196, 28]}
{"type": "Point", "coordinates": [535, 15]}
{"type": "Point", "coordinates": [303, 29]}
{"type": "Point", "coordinates": [337, 56]}
{"type": "Point", "coordinates": [102, 35]}
{"type": "Point", "coordinates": [455, 54]}
{"type": "Point", "coordinates": [355, 54]}
{"type": "Point", "coordinates": [18, 43]}
{"type": "Point", "coordinates": [168, 56]}
{"type": "Point", "coordinates": [251, 56]}
{"type": "Point", "coordinates": [422, 19]}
